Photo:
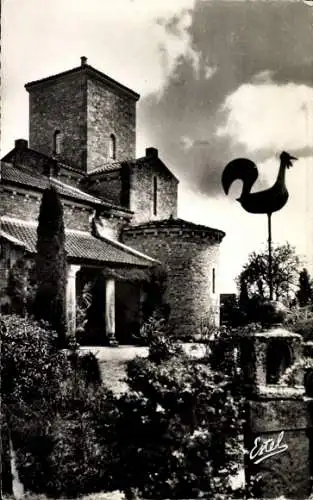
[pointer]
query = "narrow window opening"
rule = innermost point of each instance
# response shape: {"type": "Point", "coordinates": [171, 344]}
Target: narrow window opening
{"type": "Point", "coordinates": [155, 195]}
{"type": "Point", "coordinates": [112, 147]}
{"type": "Point", "coordinates": [213, 280]}
{"type": "Point", "coordinates": [57, 142]}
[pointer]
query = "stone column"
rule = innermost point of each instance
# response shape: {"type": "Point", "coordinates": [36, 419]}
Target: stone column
{"type": "Point", "coordinates": [71, 298]}
{"type": "Point", "coordinates": [110, 310]}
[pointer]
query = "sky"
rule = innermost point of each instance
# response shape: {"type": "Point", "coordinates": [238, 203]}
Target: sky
{"type": "Point", "coordinates": [218, 79]}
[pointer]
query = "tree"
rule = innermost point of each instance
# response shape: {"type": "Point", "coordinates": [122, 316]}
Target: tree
{"type": "Point", "coordinates": [51, 264]}
{"type": "Point", "coordinates": [285, 265]}
{"type": "Point", "coordinates": [305, 292]}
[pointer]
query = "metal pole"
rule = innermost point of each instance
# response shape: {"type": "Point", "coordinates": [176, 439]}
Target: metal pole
{"type": "Point", "coordinates": [270, 272]}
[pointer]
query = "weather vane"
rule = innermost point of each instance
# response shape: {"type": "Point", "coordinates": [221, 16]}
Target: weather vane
{"type": "Point", "coordinates": [263, 202]}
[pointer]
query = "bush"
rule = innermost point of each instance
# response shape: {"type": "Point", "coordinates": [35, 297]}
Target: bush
{"type": "Point", "coordinates": [84, 457]}
{"type": "Point", "coordinates": [87, 366]}
{"type": "Point", "coordinates": [301, 321]}
{"type": "Point", "coordinates": [185, 421]}
{"type": "Point", "coordinates": [61, 424]}
{"type": "Point", "coordinates": [22, 286]}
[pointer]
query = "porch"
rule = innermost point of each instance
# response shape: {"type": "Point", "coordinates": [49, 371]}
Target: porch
{"type": "Point", "coordinates": [104, 304]}
{"type": "Point", "coordinates": [115, 272]}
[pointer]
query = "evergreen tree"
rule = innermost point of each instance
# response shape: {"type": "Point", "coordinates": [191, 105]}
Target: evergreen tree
{"type": "Point", "coordinates": [305, 292]}
{"type": "Point", "coordinates": [51, 264]}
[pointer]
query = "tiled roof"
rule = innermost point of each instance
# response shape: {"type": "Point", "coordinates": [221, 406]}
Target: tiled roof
{"type": "Point", "coordinates": [105, 167]}
{"type": "Point", "coordinates": [78, 244]}
{"type": "Point", "coordinates": [146, 161]}
{"type": "Point", "coordinates": [175, 223]}
{"type": "Point", "coordinates": [20, 175]}
{"type": "Point", "coordinates": [38, 155]}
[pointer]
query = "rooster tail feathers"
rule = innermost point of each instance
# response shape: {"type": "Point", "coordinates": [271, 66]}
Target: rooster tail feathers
{"type": "Point", "coordinates": [240, 169]}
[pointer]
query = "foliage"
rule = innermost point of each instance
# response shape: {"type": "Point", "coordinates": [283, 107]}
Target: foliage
{"type": "Point", "coordinates": [301, 321]}
{"type": "Point", "coordinates": [86, 365]}
{"type": "Point", "coordinates": [155, 311]}
{"type": "Point", "coordinates": [305, 292]}
{"type": "Point", "coordinates": [84, 302]}
{"type": "Point", "coordinates": [185, 420]}
{"type": "Point", "coordinates": [255, 277]}
{"type": "Point", "coordinates": [62, 425]}
{"type": "Point", "coordinates": [51, 263]}
{"type": "Point", "coordinates": [22, 286]}
{"type": "Point", "coordinates": [151, 328]}
{"type": "Point", "coordinates": [305, 366]}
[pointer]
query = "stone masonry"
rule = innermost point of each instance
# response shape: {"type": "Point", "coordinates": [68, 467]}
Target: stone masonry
{"type": "Point", "coordinates": [109, 113]}
{"type": "Point", "coordinates": [26, 206]}
{"type": "Point", "coordinates": [60, 105]}
{"type": "Point", "coordinates": [278, 431]}
{"type": "Point", "coordinates": [141, 192]}
{"type": "Point", "coordinates": [86, 107]}
{"type": "Point", "coordinates": [189, 260]}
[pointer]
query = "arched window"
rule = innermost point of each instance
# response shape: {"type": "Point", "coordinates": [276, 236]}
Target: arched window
{"type": "Point", "coordinates": [57, 142]}
{"type": "Point", "coordinates": [112, 147]}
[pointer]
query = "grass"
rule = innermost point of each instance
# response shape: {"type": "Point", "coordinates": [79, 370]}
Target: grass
{"type": "Point", "coordinates": [113, 361]}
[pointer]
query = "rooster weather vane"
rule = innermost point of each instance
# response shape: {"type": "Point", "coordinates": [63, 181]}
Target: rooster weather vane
{"type": "Point", "coordinates": [263, 202]}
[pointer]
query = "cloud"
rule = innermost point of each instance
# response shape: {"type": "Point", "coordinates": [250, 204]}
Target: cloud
{"type": "Point", "coordinates": [270, 117]}
{"type": "Point", "coordinates": [177, 42]}
{"type": "Point", "coordinates": [242, 48]}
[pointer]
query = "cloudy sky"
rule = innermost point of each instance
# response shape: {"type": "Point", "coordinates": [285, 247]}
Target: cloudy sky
{"type": "Point", "coordinates": [218, 79]}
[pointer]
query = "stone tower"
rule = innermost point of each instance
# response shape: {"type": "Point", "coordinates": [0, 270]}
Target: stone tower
{"type": "Point", "coordinates": [83, 117]}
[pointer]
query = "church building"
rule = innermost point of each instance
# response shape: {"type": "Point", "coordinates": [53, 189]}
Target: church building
{"type": "Point", "coordinates": [120, 213]}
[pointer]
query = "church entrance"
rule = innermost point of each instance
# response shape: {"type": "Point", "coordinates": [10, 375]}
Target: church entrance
{"type": "Point", "coordinates": [107, 307]}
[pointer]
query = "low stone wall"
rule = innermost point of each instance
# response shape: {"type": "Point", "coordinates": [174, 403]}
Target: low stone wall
{"type": "Point", "coordinates": [287, 470]}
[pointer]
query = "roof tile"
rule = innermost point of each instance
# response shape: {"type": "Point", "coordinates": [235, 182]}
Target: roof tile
{"type": "Point", "coordinates": [175, 223]}
{"type": "Point", "coordinates": [19, 175]}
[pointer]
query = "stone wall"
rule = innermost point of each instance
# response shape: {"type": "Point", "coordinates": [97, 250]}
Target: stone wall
{"type": "Point", "coordinates": [108, 187]}
{"type": "Point", "coordinates": [288, 472]}
{"type": "Point", "coordinates": [60, 105]}
{"type": "Point", "coordinates": [141, 193]}
{"type": "Point", "coordinates": [189, 261]}
{"type": "Point", "coordinates": [108, 113]}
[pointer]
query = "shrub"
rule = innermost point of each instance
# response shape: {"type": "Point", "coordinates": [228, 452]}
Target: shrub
{"type": "Point", "coordinates": [154, 290]}
{"type": "Point", "coordinates": [301, 321]}
{"type": "Point", "coordinates": [22, 286]}
{"type": "Point", "coordinates": [86, 365]}
{"type": "Point", "coordinates": [185, 420]}
{"type": "Point", "coordinates": [83, 458]}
